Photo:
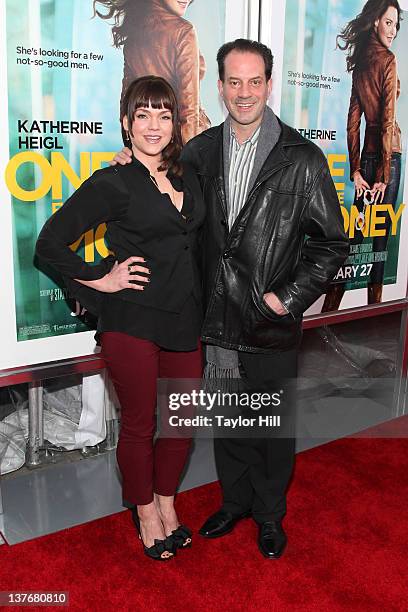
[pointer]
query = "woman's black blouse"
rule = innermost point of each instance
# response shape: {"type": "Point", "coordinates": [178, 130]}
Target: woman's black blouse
{"type": "Point", "coordinates": [140, 221]}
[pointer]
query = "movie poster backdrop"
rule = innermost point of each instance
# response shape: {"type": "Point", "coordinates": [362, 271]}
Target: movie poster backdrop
{"type": "Point", "coordinates": [62, 80]}
{"type": "Point", "coordinates": [311, 92]}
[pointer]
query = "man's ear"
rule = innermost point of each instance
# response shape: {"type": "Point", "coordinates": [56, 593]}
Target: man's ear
{"type": "Point", "coordinates": [220, 84]}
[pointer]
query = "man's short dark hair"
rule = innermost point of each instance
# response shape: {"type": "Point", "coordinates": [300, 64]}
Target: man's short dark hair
{"type": "Point", "coordinates": [244, 45]}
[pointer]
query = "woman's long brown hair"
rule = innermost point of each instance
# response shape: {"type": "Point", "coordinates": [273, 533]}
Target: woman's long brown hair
{"type": "Point", "coordinates": [356, 33]}
{"type": "Point", "coordinates": [123, 13]}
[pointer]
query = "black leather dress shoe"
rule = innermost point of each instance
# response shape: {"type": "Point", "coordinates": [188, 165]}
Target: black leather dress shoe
{"type": "Point", "coordinates": [220, 524]}
{"type": "Point", "coordinates": [271, 539]}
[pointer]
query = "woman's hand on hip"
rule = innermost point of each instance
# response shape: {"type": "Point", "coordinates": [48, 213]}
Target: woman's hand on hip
{"type": "Point", "coordinates": [121, 276]}
{"type": "Point", "coordinates": [124, 276]}
{"type": "Point", "coordinates": [360, 184]}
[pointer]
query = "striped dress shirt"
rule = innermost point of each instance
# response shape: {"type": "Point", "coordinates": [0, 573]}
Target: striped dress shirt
{"type": "Point", "coordinates": [241, 159]}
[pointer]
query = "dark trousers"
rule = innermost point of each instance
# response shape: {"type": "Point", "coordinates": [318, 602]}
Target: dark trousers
{"type": "Point", "coordinates": [134, 366]}
{"type": "Point", "coordinates": [369, 164]}
{"type": "Point", "coordinates": [255, 472]}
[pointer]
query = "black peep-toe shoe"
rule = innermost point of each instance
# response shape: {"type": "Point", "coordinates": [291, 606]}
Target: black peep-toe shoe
{"type": "Point", "coordinates": [159, 547]}
{"type": "Point", "coordinates": [181, 537]}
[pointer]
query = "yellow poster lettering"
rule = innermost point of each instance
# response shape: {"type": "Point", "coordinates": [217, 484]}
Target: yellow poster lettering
{"type": "Point", "coordinates": [55, 206]}
{"type": "Point", "coordinates": [376, 221]}
{"type": "Point", "coordinates": [395, 217]}
{"type": "Point", "coordinates": [61, 167]}
{"type": "Point", "coordinates": [346, 218]}
{"type": "Point", "coordinates": [98, 158]}
{"type": "Point", "coordinates": [99, 240]}
{"type": "Point", "coordinates": [354, 212]}
{"type": "Point", "coordinates": [88, 238]}
{"type": "Point", "coordinates": [334, 158]}
{"type": "Point", "coordinates": [49, 174]}
{"type": "Point", "coordinates": [28, 195]}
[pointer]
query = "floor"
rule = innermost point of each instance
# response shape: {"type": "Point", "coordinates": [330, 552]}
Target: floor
{"type": "Point", "coordinates": [56, 496]}
{"type": "Point", "coordinates": [78, 489]}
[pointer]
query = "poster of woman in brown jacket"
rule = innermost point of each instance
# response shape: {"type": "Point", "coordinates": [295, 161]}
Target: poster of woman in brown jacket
{"type": "Point", "coordinates": [157, 39]}
{"type": "Point", "coordinates": [376, 170]}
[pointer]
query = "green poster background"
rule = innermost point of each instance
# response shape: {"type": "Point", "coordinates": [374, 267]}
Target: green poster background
{"type": "Point", "coordinates": [57, 31]}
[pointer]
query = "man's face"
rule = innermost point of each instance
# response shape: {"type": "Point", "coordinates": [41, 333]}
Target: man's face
{"type": "Point", "coordinates": [245, 90]}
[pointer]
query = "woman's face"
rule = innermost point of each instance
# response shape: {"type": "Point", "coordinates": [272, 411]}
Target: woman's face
{"type": "Point", "coordinates": [177, 6]}
{"type": "Point", "coordinates": [150, 132]}
{"type": "Point", "coordinates": [386, 26]}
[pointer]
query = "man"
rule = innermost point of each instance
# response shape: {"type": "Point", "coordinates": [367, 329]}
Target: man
{"type": "Point", "coordinates": [273, 240]}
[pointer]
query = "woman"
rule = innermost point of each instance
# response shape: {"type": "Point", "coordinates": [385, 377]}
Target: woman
{"type": "Point", "coordinates": [149, 306]}
{"type": "Point", "coordinates": [375, 89]}
{"type": "Point", "coordinates": [157, 40]}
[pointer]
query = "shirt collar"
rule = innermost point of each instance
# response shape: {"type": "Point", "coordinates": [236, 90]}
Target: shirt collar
{"type": "Point", "coordinates": [176, 181]}
{"type": "Point", "coordinates": [252, 140]}
{"type": "Point", "coordinates": [139, 165]}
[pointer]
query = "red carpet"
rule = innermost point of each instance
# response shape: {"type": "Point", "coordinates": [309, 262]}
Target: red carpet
{"type": "Point", "coordinates": [347, 526]}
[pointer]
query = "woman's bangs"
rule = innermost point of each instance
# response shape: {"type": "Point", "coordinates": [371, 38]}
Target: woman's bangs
{"type": "Point", "coordinates": [155, 95]}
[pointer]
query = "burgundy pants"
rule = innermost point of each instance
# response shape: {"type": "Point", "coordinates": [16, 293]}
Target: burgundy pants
{"type": "Point", "coordinates": [134, 366]}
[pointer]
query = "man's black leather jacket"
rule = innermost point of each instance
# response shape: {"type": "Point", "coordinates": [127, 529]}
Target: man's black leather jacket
{"type": "Point", "coordinates": [288, 238]}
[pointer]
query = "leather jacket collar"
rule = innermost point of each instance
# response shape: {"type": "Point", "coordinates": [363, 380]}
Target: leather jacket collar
{"type": "Point", "coordinates": [213, 147]}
